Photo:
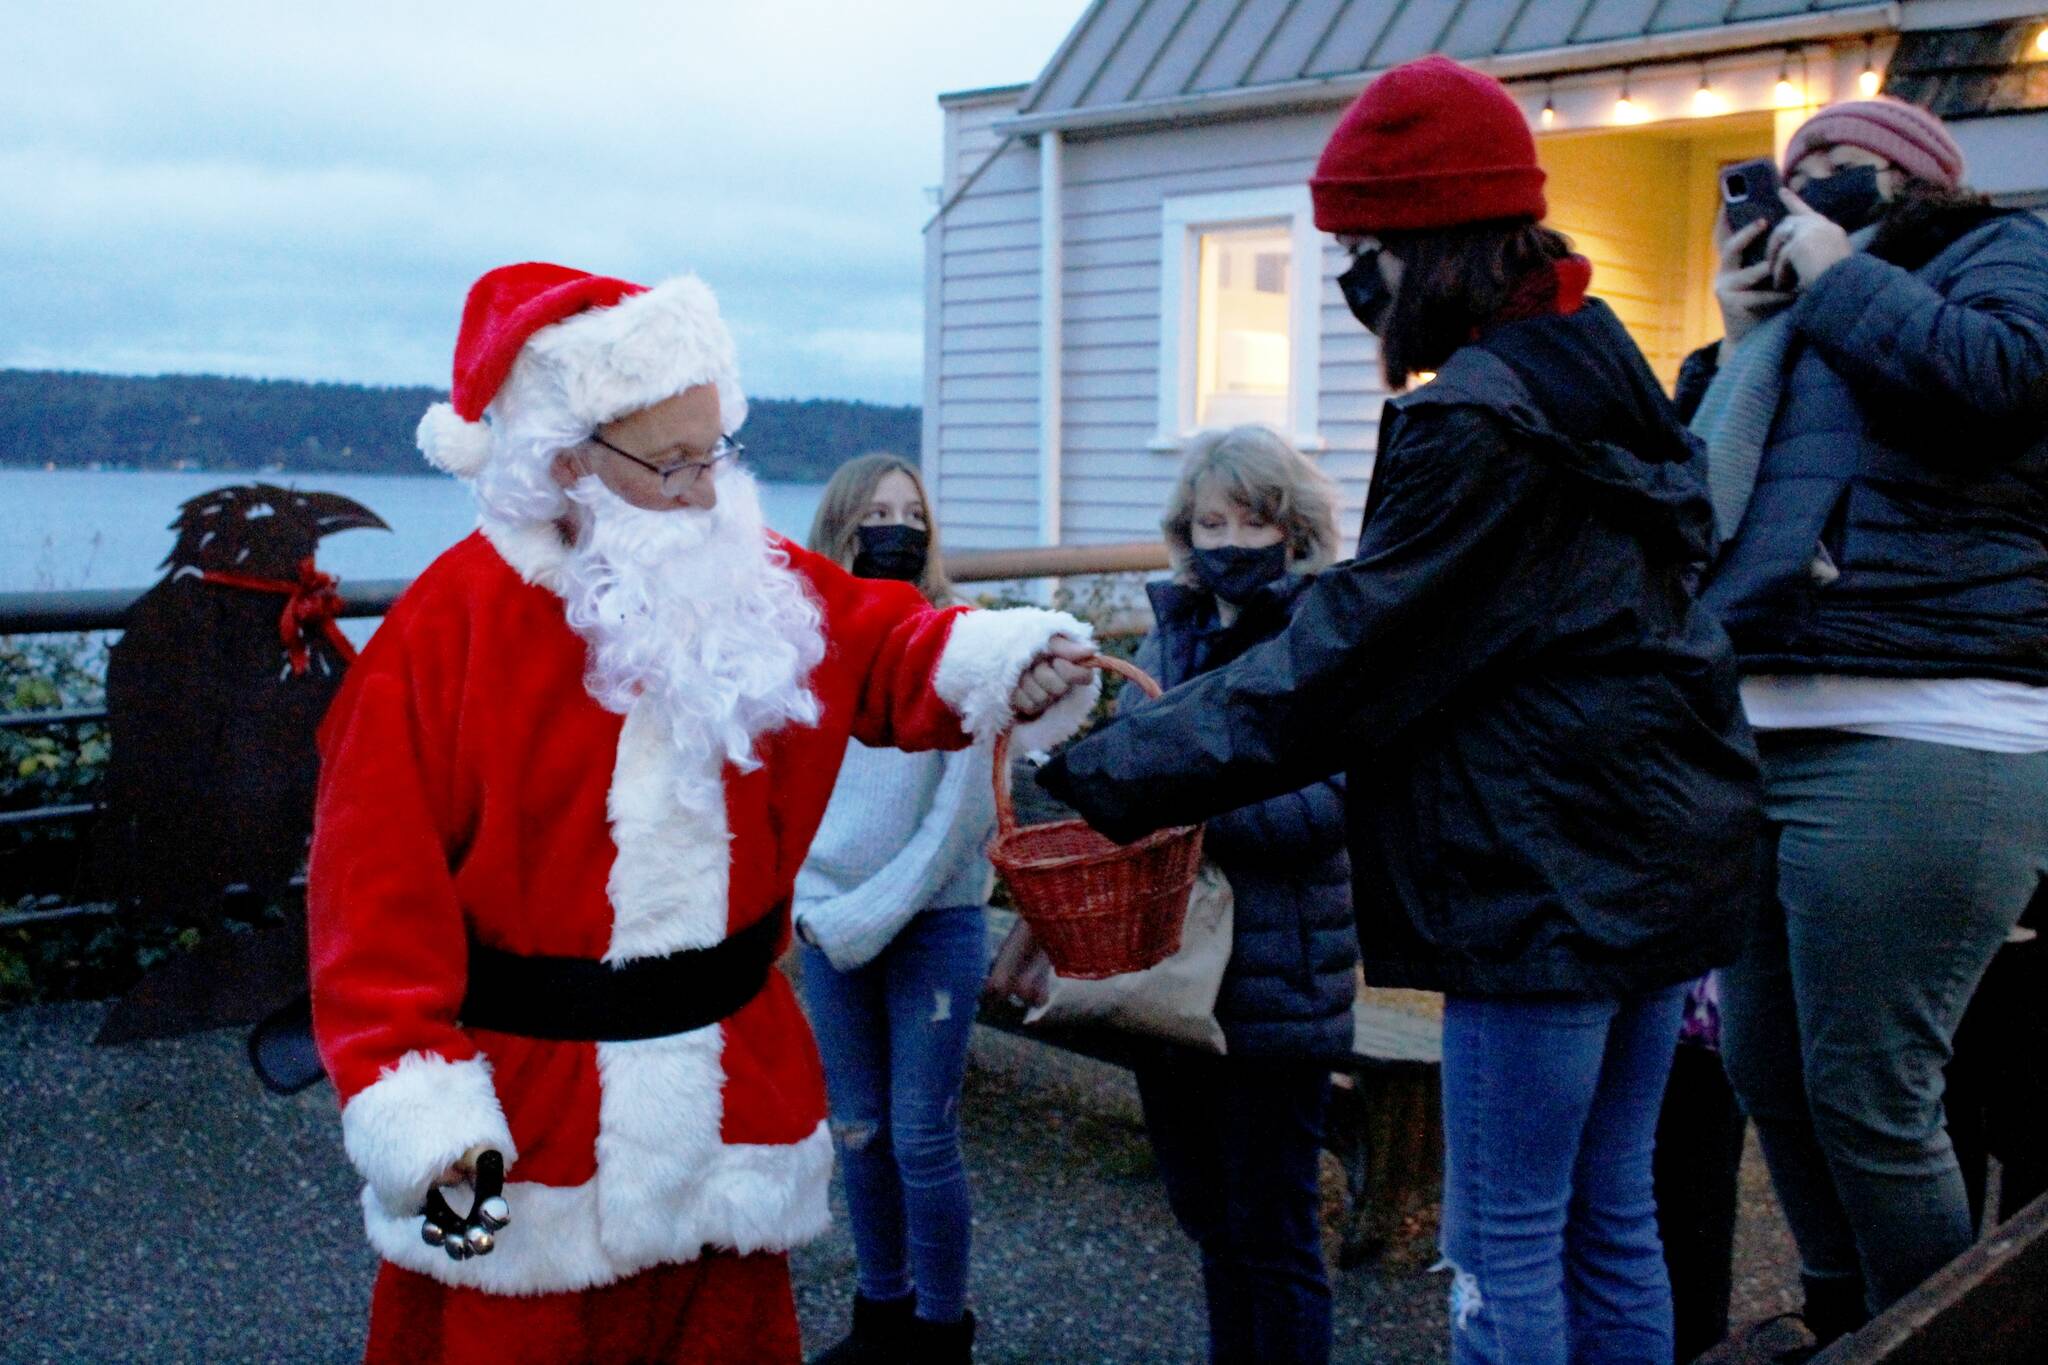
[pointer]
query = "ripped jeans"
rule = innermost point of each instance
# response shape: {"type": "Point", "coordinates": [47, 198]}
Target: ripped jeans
{"type": "Point", "coordinates": [894, 1034]}
{"type": "Point", "coordinates": [1550, 1220]}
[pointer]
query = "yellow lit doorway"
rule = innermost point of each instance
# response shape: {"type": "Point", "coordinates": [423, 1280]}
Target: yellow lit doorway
{"type": "Point", "coordinates": [1640, 204]}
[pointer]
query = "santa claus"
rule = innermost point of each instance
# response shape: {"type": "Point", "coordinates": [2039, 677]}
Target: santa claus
{"type": "Point", "coordinates": [565, 793]}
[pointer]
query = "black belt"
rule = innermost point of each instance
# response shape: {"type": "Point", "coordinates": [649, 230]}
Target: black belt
{"type": "Point", "coordinates": [577, 999]}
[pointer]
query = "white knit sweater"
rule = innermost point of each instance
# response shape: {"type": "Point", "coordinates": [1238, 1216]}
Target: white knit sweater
{"type": "Point", "coordinates": [903, 832]}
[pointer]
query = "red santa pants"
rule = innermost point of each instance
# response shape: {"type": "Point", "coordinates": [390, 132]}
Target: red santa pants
{"type": "Point", "coordinates": [717, 1310]}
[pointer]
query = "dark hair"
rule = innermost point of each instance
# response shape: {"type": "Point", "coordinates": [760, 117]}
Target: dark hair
{"type": "Point", "coordinates": [1453, 279]}
{"type": "Point", "coordinates": [1919, 224]}
{"type": "Point", "coordinates": [835, 527]}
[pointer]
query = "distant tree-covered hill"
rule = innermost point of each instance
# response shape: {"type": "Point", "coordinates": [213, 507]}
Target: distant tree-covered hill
{"type": "Point", "coordinates": [84, 421]}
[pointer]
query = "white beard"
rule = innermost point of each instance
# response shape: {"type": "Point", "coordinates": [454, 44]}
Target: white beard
{"type": "Point", "coordinates": [697, 611]}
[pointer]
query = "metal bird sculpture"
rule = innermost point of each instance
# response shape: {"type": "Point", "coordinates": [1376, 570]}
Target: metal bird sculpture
{"type": "Point", "coordinates": [214, 692]}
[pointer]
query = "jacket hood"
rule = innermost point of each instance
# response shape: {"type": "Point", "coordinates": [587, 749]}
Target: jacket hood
{"type": "Point", "coordinates": [1577, 386]}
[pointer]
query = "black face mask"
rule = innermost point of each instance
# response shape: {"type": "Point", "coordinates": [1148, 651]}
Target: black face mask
{"type": "Point", "coordinates": [1236, 574]}
{"type": "Point", "coordinates": [1850, 198]}
{"type": "Point", "coordinates": [1365, 293]}
{"type": "Point", "coordinates": [896, 552]}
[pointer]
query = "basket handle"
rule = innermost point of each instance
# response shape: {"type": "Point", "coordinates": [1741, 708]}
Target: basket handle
{"type": "Point", "coordinates": [1006, 813]}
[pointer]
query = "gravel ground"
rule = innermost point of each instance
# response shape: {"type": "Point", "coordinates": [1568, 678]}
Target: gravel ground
{"type": "Point", "coordinates": [156, 1205]}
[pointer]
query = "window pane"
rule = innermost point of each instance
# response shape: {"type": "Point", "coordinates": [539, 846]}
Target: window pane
{"type": "Point", "coordinates": [1242, 350]}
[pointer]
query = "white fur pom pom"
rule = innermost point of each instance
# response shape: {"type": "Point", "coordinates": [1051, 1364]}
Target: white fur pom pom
{"type": "Point", "coordinates": [452, 444]}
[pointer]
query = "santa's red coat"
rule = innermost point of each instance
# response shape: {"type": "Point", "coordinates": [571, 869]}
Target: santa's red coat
{"type": "Point", "coordinates": [472, 791]}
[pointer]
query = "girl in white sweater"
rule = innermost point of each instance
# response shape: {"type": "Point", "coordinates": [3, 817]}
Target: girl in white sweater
{"type": "Point", "coordinates": [889, 908]}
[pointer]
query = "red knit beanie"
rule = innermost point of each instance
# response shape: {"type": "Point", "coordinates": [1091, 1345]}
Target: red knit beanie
{"type": "Point", "coordinates": [1429, 144]}
{"type": "Point", "coordinates": [1904, 134]}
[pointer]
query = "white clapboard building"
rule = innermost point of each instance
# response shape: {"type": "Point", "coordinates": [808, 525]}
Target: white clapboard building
{"type": "Point", "coordinates": [1123, 251]}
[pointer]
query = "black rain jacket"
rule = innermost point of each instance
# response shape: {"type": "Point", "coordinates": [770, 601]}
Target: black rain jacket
{"type": "Point", "coordinates": [1551, 786]}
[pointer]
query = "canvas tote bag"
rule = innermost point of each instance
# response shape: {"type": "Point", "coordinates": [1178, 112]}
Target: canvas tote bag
{"type": "Point", "coordinates": [1174, 1000]}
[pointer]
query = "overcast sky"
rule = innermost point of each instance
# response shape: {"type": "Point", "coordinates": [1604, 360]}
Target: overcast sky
{"type": "Point", "coordinates": [306, 191]}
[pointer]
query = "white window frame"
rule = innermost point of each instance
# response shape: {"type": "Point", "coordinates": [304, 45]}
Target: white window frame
{"type": "Point", "coordinates": [1183, 218]}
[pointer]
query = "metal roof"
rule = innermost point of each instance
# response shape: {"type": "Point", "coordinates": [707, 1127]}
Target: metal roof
{"type": "Point", "coordinates": [1151, 52]}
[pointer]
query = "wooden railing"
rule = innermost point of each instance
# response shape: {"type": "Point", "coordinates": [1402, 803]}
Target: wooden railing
{"type": "Point", "coordinates": [51, 613]}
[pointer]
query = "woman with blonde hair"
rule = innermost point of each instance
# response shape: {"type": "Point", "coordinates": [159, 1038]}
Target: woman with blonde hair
{"type": "Point", "coordinates": [1248, 524]}
{"type": "Point", "coordinates": [889, 907]}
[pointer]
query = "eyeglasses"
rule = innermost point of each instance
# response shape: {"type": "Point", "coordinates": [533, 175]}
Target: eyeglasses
{"type": "Point", "coordinates": [679, 478]}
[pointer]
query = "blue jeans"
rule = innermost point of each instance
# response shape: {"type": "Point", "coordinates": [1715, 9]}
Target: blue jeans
{"type": "Point", "coordinates": [1900, 866]}
{"type": "Point", "coordinates": [1550, 1223]}
{"type": "Point", "coordinates": [1238, 1141]}
{"type": "Point", "coordinates": [893, 1035]}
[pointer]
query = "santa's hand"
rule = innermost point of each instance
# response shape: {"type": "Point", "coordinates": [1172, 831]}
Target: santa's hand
{"type": "Point", "coordinates": [1063, 668]}
{"type": "Point", "coordinates": [463, 1170]}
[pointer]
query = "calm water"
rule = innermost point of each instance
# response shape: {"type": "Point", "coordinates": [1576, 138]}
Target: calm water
{"type": "Point", "coordinates": [74, 529]}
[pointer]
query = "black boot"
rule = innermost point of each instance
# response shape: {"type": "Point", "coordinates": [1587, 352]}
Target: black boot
{"type": "Point", "coordinates": [880, 1336]}
{"type": "Point", "coordinates": [1834, 1306]}
{"type": "Point", "coordinates": [941, 1343]}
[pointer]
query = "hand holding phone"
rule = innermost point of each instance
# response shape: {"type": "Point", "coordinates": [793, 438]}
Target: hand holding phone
{"type": "Point", "coordinates": [1742, 284]}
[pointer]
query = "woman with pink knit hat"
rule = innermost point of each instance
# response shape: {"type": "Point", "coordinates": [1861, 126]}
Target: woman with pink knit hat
{"type": "Point", "coordinates": [1552, 795]}
{"type": "Point", "coordinates": [1876, 422]}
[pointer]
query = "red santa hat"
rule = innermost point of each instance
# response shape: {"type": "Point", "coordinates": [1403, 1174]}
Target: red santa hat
{"type": "Point", "coordinates": [613, 347]}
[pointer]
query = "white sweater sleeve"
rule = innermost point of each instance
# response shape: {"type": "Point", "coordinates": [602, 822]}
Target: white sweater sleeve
{"type": "Point", "coordinates": [852, 927]}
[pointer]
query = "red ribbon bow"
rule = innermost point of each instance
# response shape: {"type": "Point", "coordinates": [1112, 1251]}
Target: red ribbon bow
{"type": "Point", "coordinates": [311, 604]}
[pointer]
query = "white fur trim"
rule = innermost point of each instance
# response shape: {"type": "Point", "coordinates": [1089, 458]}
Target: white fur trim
{"type": "Point", "coordinates": [984, 657]}
{"type": "Point", "coordinates": [417, 1119]}
{"type": "Point", "coordinates": [750, 1198]}
{"type": "Point", "coordinates": [645, 348]}
{"type": "Point", "coordinates": [534, 549]}
{"type": "Point", "coordinates": [667, 1185]}
{"type": "Point", "coordinates": [670, 876]}
{"type": "Point", "coordinates": [452, 444]}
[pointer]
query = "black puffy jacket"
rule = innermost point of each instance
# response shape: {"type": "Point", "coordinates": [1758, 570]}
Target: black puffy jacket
{"type": "Point", "coordinates": [1551, 787]}
{"type": "Point", "coordinates": [1288, 988]}
{"type": "Point", "coordinates": [1911, 444]}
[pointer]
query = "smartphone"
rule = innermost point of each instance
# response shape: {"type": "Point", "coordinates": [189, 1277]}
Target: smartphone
{"type": "Point", "coordinates": [1749, 193]}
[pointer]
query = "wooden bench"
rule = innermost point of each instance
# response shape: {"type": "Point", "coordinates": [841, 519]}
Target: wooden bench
{"type": "Point", "coordinates": [1385, 1121]}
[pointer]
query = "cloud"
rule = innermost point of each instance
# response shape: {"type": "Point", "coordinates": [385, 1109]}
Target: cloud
{"type": "Point", "coordinates": [301, 191]}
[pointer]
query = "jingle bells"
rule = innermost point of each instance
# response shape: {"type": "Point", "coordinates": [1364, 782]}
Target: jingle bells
{"type": "Point", "coordinates": [475, 1235]}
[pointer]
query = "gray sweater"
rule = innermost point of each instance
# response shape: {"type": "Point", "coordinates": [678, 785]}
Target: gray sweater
{"type": "Point", "coordinates": [903, 832]}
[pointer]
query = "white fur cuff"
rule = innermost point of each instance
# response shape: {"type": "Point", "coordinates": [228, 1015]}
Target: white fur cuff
{"type": "Point", "coordinates": [417, 1119]}
{"type": "Point", "coordinates": [984, 657]}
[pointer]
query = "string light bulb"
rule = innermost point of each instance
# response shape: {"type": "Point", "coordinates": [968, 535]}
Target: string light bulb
{"type": "Point", "coordinates": [1868, 83]}
{"type": "Point", "coordinates": [1626, 110]}
{"type": "Point", "coordinates": [2041, 42]}
{"type": "Point", "coordinates": [1548, 118]}
{"type": "Point", "coordinates": [1786, 94]}
{"type": "Point", "coordinates": [1706, 101]}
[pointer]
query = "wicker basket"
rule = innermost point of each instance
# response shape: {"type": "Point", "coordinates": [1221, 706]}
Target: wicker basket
{"type": "Point", "coordinates": [1098, 908]}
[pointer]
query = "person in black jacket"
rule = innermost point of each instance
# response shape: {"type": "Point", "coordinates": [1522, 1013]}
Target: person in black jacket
{"type": "Point", "coordinates": [1876, 421]}
{"type": "Point", "coordinates": [1552, 793]}
{"type": "Point", "coordinates": [1238, 1137]}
